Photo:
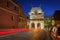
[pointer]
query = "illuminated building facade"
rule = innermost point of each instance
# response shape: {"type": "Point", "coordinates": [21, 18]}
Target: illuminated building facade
{"type": "Point", "coordinates": [36, 17]}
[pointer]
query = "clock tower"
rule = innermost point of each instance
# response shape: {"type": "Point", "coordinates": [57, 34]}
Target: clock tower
{"type": "Point", "coordinates": [36, 17]}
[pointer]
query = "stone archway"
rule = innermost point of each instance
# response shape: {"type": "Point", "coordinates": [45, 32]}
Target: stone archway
{"type": "Point", "coordinates": [38, 24]}
{"type": "Point", "coordinates": [32, 25]}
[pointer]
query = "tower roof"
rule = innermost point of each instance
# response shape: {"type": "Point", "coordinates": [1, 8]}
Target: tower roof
{"type": "Point", "coordinates": [34, 9]}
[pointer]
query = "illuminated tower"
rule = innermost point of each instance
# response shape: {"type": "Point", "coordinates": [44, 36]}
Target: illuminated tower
{"type": "Point", "coordinates": [36, 16]}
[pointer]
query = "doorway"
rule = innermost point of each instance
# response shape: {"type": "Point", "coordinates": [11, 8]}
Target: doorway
{"type": "Point", "coordinates": [38, 25]}
{"type": "Point", "coordinates": [33, 25]}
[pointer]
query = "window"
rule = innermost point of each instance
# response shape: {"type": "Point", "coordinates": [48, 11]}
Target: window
{"type": "Point", "coordinates": [12, 17]}
{"type": "Point", "coordinates": [15, 8]}
{"type": "Point", "coordinates": [0, 1]}
{"type": "Point", "coordinates": [19, 20]}
{"type": "Point", "coordinates": [8, 4]}
{"type": "Point", "coordinates": [39, 13]}
{"type": "Point", "coordinates": [35, 12]}
{"type": "Point", "coordinates": [33, 25]}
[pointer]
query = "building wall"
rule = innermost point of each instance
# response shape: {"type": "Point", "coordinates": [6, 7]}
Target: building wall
{"type": "Point", "coordinates": [57, 22]}
{"type": "Point", "coordinates": [9, 14]}
{"type": "Point", "coordinates": [22, 22]}
{"type": "Point", "coordinates": [22, 19]}
{"type": "Point", "coordinates": [9, 5]}
{"type": "Point", "coordinates": [8, 20]}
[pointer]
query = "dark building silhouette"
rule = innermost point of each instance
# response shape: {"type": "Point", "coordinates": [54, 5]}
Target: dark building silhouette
{"type": "Point", "coordinates": [57, 15]}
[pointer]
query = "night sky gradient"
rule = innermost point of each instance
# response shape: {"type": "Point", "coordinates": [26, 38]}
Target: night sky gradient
{"type": "Point", "coordinates": [48, 6]}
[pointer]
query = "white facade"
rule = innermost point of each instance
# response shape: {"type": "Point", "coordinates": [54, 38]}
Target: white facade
{"type": "Point", "coordinates": [36, 18]}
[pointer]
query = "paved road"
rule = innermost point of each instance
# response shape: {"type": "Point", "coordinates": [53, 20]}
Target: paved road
{"type": "Point", "coordinates": [28, 35]}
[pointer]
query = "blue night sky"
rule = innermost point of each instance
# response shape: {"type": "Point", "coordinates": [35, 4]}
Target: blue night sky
{"type": "Point", "coordinates": [48, 6]}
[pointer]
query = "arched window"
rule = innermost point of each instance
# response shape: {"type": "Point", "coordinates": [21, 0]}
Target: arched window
{"type": "Point", "coordinates": [40, 13]}
{"type": "Point", "coordinates": [33, 25]}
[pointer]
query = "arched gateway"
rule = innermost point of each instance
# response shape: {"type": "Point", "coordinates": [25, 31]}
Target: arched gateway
{"type": "Point", "coordinates": [38, 25]}
{"type": "Point", "coordinates": [36, 18]}
{"type": "Point", "coordinates": [33, 25]}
